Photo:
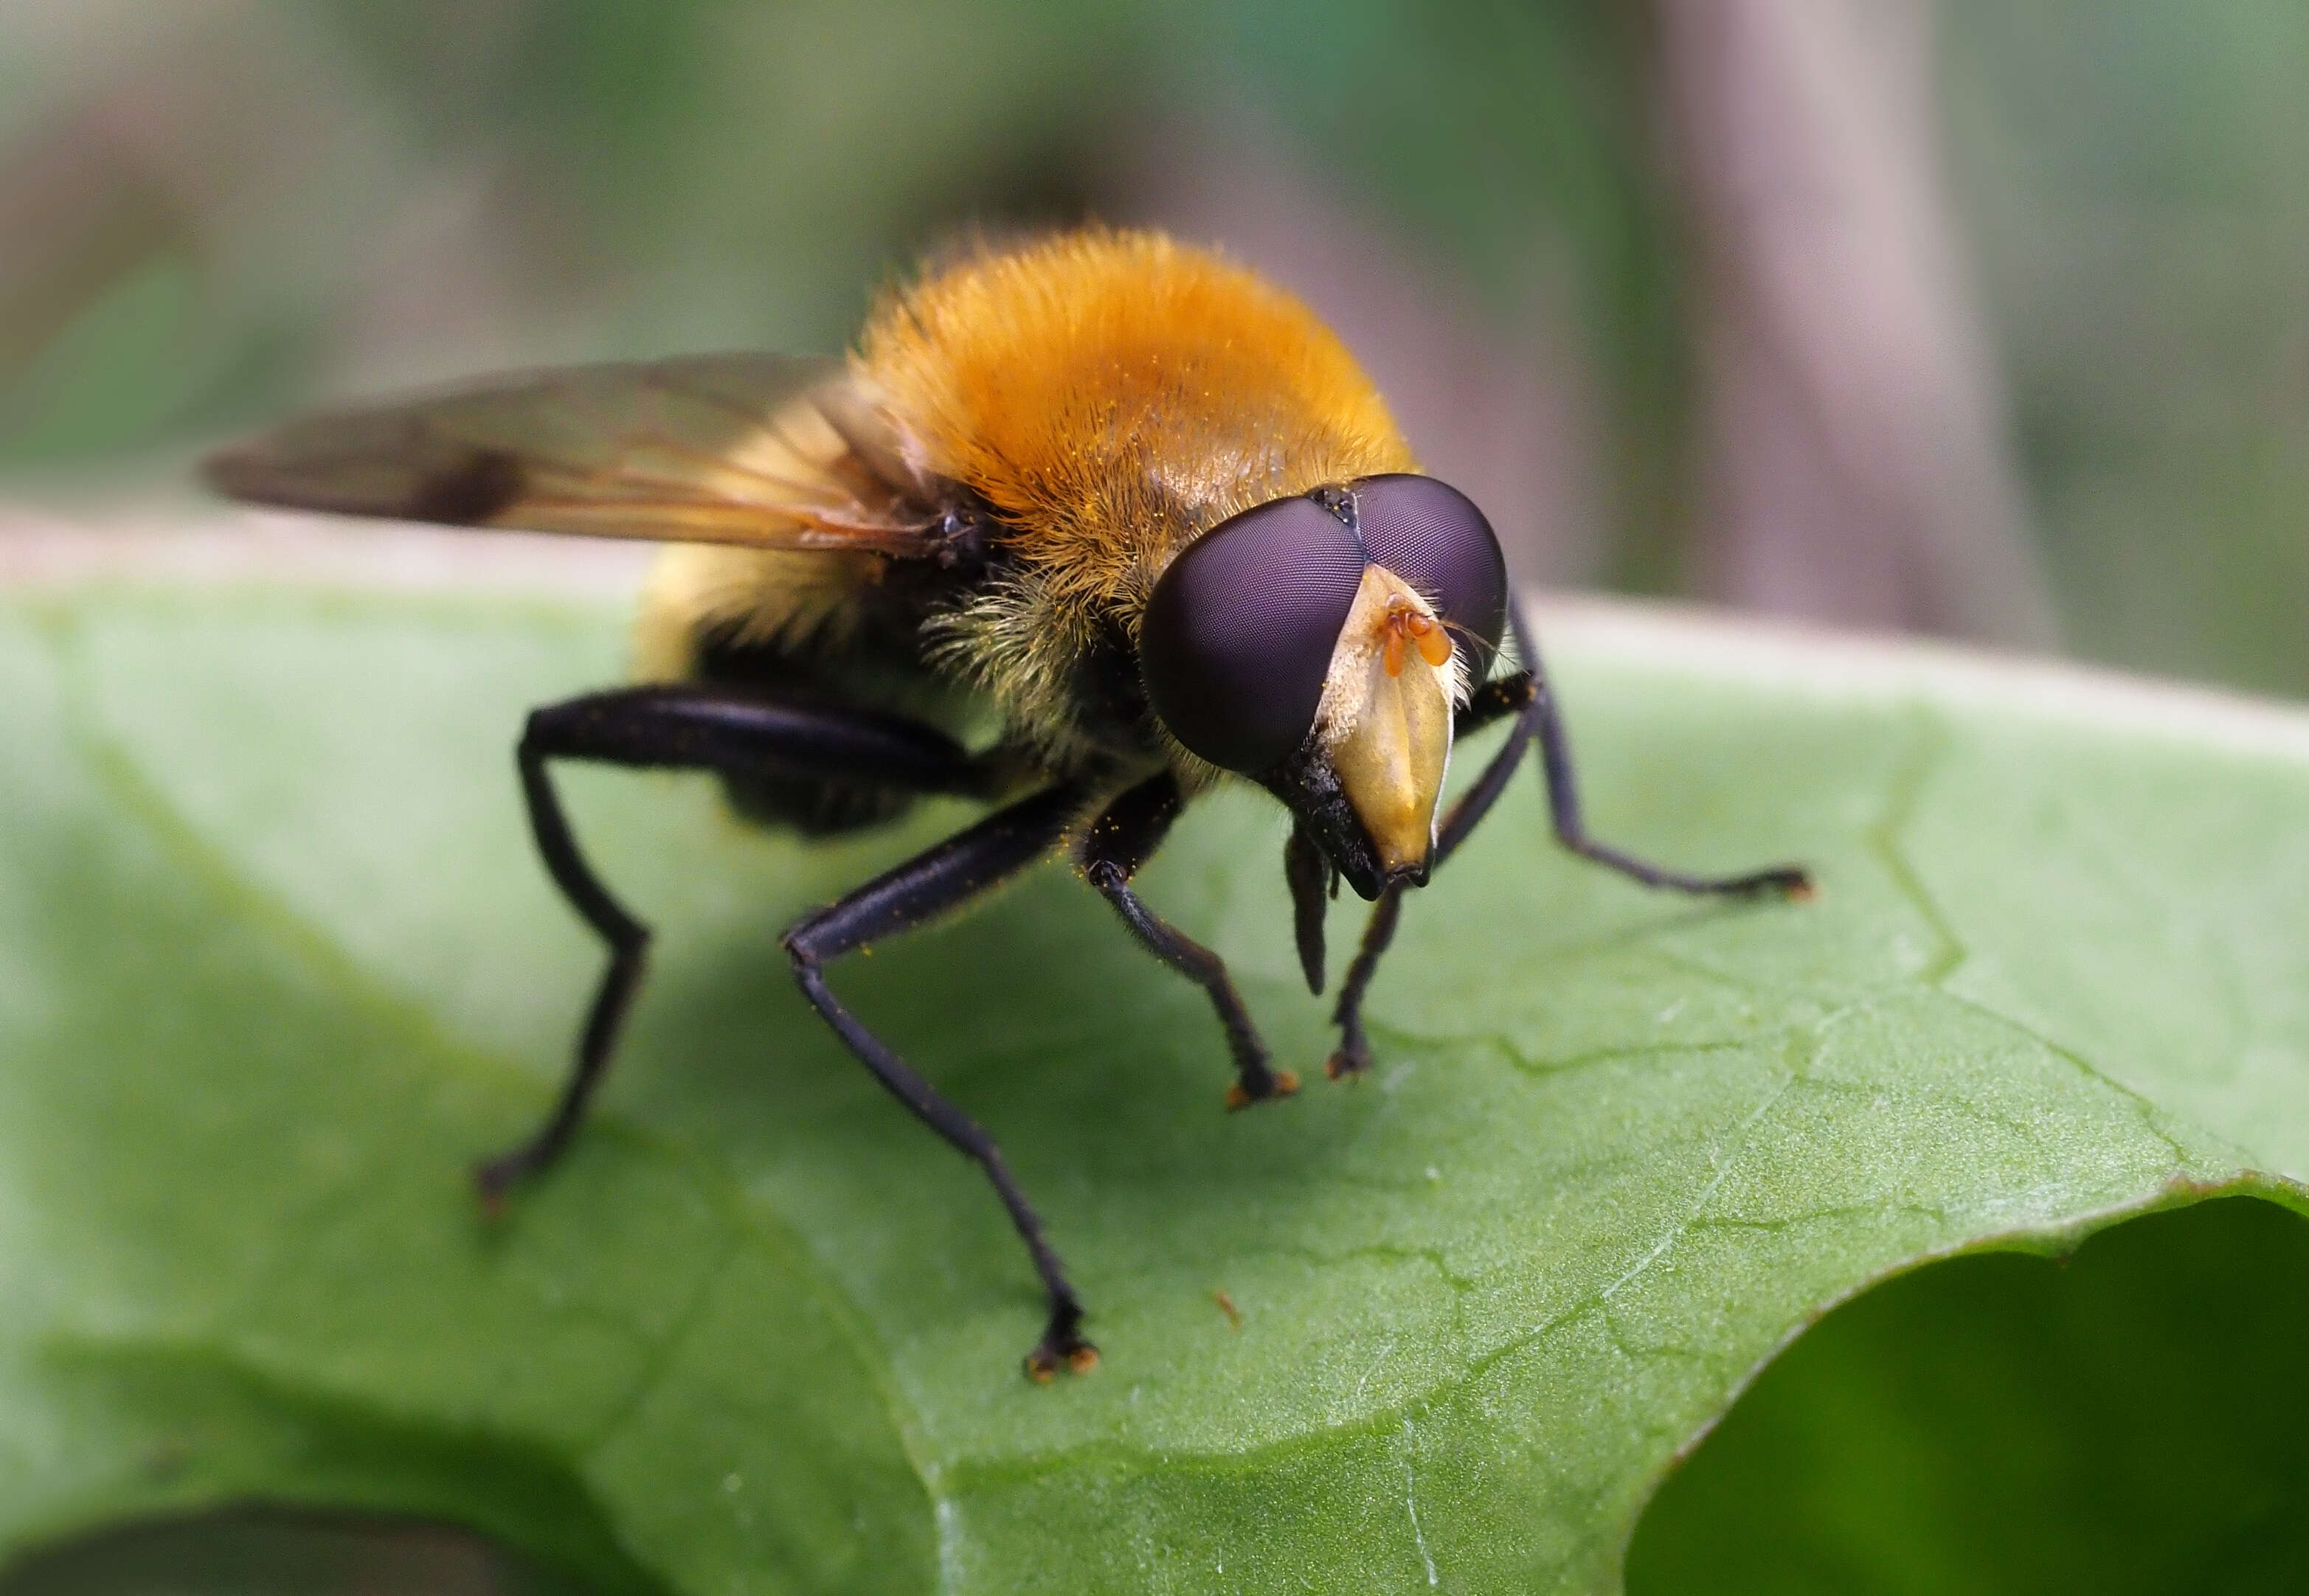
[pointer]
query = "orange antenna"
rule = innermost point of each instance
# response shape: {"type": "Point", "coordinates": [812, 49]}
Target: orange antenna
{"type": "Point", "coordinates": [1404, 621]}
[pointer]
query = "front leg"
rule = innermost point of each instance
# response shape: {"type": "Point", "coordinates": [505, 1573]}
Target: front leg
{"type": "Point", "coordinates": [1509, 695]}
{"type": "Point", "coordinates": [1531, 701]}
{"type": "Point", "coordinates": [1540, 715]}
{"type": "Point", "coordinates": [1121, 840]}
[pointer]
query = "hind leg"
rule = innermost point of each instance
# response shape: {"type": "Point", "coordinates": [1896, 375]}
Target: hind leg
{"type": "Point", "coordinates": [686, 728]}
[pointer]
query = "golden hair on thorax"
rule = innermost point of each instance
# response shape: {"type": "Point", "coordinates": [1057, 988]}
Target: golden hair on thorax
{"type": "Point", "coordinates": [1114, 394]}
{"type": "Point", "coordinates": [1110, 396]}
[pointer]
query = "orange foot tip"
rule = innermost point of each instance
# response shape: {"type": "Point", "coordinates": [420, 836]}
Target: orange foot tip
{"type": "Point", "coordinates": [1285, 1083]}
{"type": "Point", "coordinates": [1791, 882]}
{"type": "Point", "coordinates": [1339, 1066]}
{"type": "Point", "coordinates": [490, 1189]}
{"type": "Point", "coordinates": [1042, 1362]}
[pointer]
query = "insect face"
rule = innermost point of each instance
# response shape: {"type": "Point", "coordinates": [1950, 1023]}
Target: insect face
{"type": "Point", "coordinates": [1321, 645]}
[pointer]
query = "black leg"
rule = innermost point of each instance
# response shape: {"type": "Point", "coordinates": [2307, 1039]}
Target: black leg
{"type": "Point", "coordinates": [1496, 700]}
{"type": "Point", "coordinates": [1527, 697]}
{"type": "Point", "coordinates": [930, 884]}
{"type": "Point", "coordinates": [1314, 882]}
{"type": "Point", "coordinates": [1353, 1056]}
{"type": "Point", "coordinates": [1571, 828]}
{"type": "Point", "coordinates": [685, 727]}
{"type": "Point", "coordinates": [1121, 840]}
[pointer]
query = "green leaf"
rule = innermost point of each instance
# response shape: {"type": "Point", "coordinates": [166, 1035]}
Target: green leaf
{"type": "Point", "coordinates": [2128, 1419]}
{"type": "Point", "coordinates": [277, 964]}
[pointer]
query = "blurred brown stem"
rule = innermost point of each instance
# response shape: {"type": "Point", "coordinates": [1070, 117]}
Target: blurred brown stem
{"type": "Point", "coordinates": [1852, 416]}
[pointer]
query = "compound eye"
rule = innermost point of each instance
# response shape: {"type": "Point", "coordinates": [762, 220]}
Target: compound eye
{"type": "Point", "coordinates": [1433, 536]}
{"type": "Point", "coordinates": [1238, 632]}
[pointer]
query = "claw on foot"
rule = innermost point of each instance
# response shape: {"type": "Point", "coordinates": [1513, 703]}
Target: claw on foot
{"type": "Point", "coordinates": [1791, 882]}
{"type": "Point", "coordinates": [1062, 1347]}
{"type": "Point", "coordinates": [493, 1180]}
{"type": "Point", "coordinates": [1238, 1096]}
{"type": "Point", "coordinates": [1348, 1064]}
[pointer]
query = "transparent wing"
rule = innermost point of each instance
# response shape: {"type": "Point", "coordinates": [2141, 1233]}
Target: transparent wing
{"type": "Point", "coordinates": [757, 449]}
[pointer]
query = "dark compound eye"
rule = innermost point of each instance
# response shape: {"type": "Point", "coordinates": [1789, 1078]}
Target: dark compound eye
{"type": "Point", "coordinates": [1433, 536]}
{"type": "Point", "coordinates": [1238, 632]}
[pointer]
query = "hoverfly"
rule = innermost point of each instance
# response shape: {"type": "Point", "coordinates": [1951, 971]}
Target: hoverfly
{"type": "Point", "coordinates": [1129, 497]}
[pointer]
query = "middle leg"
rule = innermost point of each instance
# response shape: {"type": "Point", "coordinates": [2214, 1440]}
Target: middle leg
{"type": "Point", "coordinates": [929, 884]}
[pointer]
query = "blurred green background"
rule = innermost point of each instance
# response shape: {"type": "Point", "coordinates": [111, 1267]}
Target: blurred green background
{"type": "Point", "coordinates": [1985, 320]}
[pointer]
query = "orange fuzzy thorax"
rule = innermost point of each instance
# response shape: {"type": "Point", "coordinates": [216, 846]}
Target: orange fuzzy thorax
{"type": "Point", "coordinates": [1114, 394]}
